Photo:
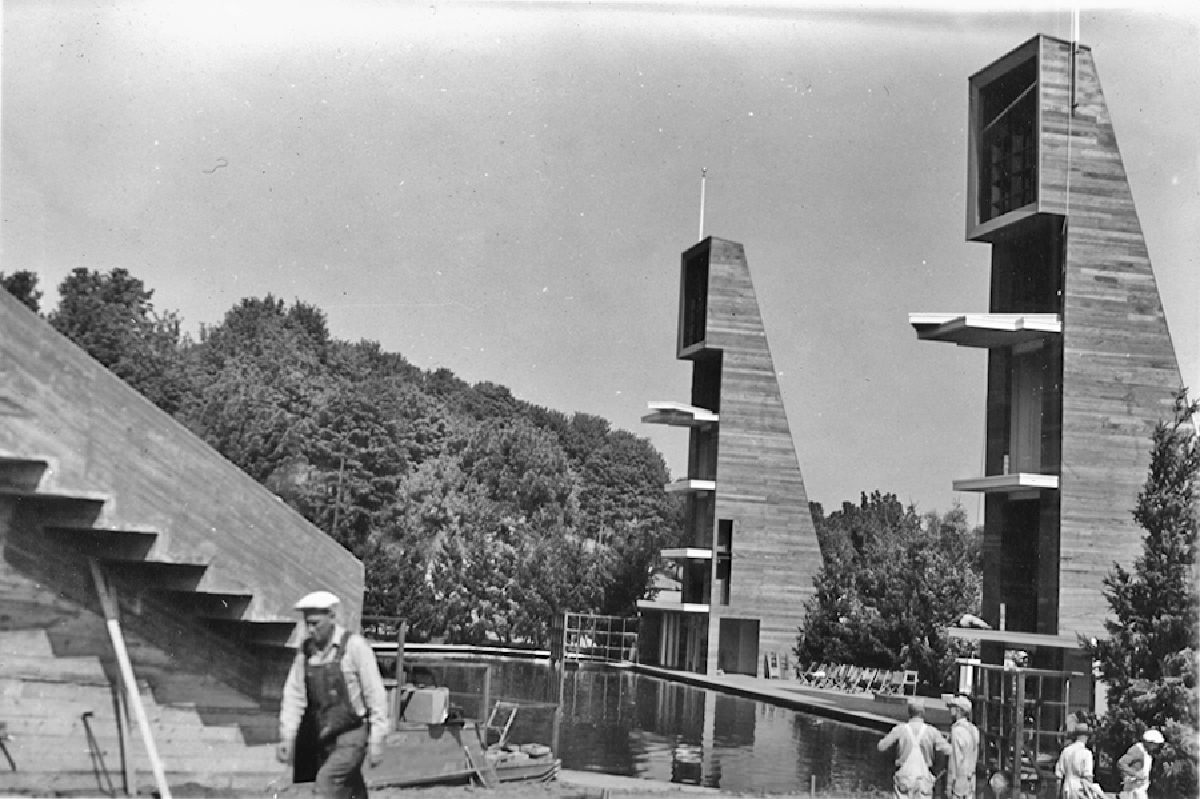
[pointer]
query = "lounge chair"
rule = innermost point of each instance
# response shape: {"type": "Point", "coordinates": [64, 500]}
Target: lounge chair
{"type": "Point", "coordinates": [865, 680]}
{"type": "Point", "coordinates": [834, 680]}
{"type": "Point", "coordinates": [892, 684]}
{"type": "Point", "coordinates": [820, 675]}
{"type": "Point", "coordinates": [878, 681]}
{"type": "Point", "coordinates": [819, 672]}
{"type": "Point", "coordinates": [849, 679]}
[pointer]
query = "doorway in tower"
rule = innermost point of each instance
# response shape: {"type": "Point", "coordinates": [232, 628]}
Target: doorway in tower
{"type": "Point", "coordinates": [738, 653]}
{"type": "Point", "coordinates": [683, 643]}
{"type": "Point", "coordinates": [1019, 565]}
{"type": "Point", "coordinates": [1029, 376]}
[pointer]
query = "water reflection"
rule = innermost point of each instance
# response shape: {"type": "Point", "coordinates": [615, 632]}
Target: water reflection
{"type": "Point", "coordinates": [618, 722]}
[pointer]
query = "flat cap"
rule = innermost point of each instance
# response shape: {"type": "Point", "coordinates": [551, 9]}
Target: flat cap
{"type": "Point", "coordinates": [1152, 737]}
{"type": "Point", "coordinates": [960, 702]}
{"type": "Point", "coordinates": [317, 600]}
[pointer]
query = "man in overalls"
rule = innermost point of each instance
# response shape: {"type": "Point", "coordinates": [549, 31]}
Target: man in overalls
{"type": "Point", "coordinates": [334, 707]}
{"type": "Point", "coordinates": [915, 743]}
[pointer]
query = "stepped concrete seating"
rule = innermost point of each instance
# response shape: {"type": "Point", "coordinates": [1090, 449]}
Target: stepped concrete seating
{"type": "Point", "coordinates": [47, 695]}
{"type": "Point", "coordinates": [82, 450]}
{"type": "Point", "coordinates": [207, 564]}
{"type": "Point", "coordinates": [72, 519]}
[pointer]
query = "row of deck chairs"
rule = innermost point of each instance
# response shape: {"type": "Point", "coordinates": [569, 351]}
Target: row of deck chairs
{"type": "Point", "coordinates": [857, 679]}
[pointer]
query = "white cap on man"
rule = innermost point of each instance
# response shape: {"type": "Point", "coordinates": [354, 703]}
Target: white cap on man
{"type": "Point", "coordinates": [317, 600]}
{"type": "Point", "coordinates": [1152, 737]}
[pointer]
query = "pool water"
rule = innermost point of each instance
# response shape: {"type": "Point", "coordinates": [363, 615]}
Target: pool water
{"type": "Point", "coordinates": [615, 721]}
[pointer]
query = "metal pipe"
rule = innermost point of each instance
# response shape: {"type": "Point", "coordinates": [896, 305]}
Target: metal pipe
{"type": "Point", "coordinates": [98, 765]}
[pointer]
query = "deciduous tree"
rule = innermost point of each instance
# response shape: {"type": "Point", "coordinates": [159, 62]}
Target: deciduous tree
{"type": "Point", "coordinates": [111, 316]}
{"type": "Point", "coordinates": [23, 285]}
{"type": "Point", "coordinates": [891, 582]}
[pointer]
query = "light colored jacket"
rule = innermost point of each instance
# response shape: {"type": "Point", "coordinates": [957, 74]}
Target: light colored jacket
{"type": "Point", "coordinates": [1074, 768]}
{"type": "Point", "coordinates": [964, 755]}
{"type": "Point", "coordinates": [363, 684]}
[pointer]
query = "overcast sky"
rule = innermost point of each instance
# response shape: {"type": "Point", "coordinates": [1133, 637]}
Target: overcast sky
{"type": "Point", "coordinates": [504, 189]}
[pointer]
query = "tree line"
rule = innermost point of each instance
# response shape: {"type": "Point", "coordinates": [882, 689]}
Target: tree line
{"type": "Point", "coordinates": [478, 515]}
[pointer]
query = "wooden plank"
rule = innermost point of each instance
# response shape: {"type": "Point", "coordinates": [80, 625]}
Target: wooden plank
{"type": "Point", "coordinates": [108, 599]}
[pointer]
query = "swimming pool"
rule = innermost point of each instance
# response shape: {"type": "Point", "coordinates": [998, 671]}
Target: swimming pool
{"type": "Point", "coordinates": [616, 721]}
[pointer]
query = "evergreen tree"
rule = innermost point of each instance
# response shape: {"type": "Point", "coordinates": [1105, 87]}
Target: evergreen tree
{"type": "Point", "coordinates": [1149, 659]}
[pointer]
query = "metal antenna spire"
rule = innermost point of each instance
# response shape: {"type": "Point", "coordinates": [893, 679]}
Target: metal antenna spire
{"type": "Point", "coordinates": [1074, 58]}
{"type": "Point", "coordinates": [703, 178]}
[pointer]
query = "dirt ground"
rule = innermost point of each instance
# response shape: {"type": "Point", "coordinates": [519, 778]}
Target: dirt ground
{"type": "Point", "coordinates": [581, 786]}
{"type": "Point", "coordinates": [573, 785]}
{"type": "Point", "coordinates": [551, 790]}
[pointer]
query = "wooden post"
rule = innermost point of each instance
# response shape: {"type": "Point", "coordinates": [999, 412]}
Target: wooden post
{"type": "Point", "coordinates": [485, 702]}
{"type": "Point", "coordinates": [1018, 733]}
{"type": "Point", "coordinates": [110, 604]}
{"type": "Point", "coordinates": [560, 674]}
{"type": "Point", "coordinates": [401, 634]}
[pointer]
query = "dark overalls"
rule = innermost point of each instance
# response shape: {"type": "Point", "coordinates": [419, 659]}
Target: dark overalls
{"type": "Point", "coordinates": [341, 733]}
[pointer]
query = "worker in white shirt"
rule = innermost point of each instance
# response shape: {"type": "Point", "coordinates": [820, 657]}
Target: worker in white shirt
{"type": "Point", "coordinates": [1135, 765]}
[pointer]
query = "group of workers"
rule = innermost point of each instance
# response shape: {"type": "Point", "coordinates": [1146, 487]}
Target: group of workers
{"type": "Point", "coordinates": [917, 743]}
{"type": "Point", "coordinates": [333, 718]}
{"type": "Point", "coordinates": [1076, 766]}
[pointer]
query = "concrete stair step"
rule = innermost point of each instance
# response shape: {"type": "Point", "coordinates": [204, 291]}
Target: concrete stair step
{"type": "Point", "coordinates": [25, 699]}
{"type": "Point", "coordinates": [104, 543]}
{"type": "Point", "coordinates": [208, 734]}
{"type": "Point", "coordinates": [26, 728]}
{"type": "Point", "coordinates": [31, 643]}
{"type": "Point", "coordinates": [96, 643]}
{"type": "Point", "coordinates": [20, 473]}
{"type": "Point", "coordinates": [251, 780]}
{"type": "Point", "coordinates": [274, 633]}
{"type": "Point", "coordinates": [75, 508]}
{"type": "Point", "coordinates": [35, 669]}
{"type": "Point", "coordinates": [195, 691]}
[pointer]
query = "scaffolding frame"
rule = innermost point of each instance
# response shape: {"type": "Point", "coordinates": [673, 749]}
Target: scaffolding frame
{"type": "Point", "coordinates": [1024, 716]}
{"type": "Point", "coordinates": [592, 636]}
